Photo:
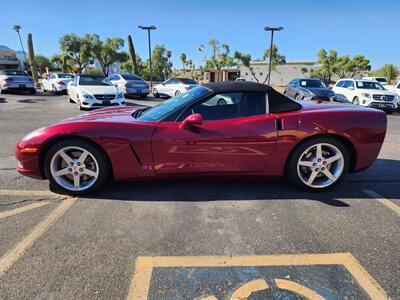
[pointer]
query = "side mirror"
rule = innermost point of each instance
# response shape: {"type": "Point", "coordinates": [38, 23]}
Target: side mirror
{"type": "Point", "coordinates": [191, 120]}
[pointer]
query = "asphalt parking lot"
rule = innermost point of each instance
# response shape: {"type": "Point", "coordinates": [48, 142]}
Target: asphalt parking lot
{"type": "Point", "coordinates": [195, 239]}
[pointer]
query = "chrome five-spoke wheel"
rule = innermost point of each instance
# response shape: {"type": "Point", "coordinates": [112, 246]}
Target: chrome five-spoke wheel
{"type": "Point", "coordinates": [318, 164]}
{"type": "Point", "coordinates": [76, 167]}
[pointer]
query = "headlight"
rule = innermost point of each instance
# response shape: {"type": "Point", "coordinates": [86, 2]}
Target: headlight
{"type": "Point", "coordinates": [87, 96]}
{"type": "Point", "coordinates": [120, 96]}
{"type": "Point", "coordinates": [366, 95]}
{"type": "Point", "coordinates": [33, 134]}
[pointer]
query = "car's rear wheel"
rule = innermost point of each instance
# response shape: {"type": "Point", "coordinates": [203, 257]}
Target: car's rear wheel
{"type": "Point", "coordinates": [76, 167]}
{"type": "Point", "coordinates": [318, 164]}
{"type": "Point", "coordinates": [177, 93]}
{"type": "Point", "coordinates": [155, 93]}
{"type": "Point", "coordinates": [356, 101]}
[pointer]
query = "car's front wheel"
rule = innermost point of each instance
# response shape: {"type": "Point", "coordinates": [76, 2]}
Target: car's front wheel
{"type": "Point", "coordinates": [76, 167]}
{"type": "Point", "coordinates": [318, 164]}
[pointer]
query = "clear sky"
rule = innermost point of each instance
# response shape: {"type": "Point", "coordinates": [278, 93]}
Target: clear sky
{"type": "Point", "coordinates": [367, 27]}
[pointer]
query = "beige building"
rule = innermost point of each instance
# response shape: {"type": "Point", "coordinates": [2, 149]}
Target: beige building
{"type": "Point", "coordinates": [8, 58]}
{"type": "Point", "coordinates": [282, 74]}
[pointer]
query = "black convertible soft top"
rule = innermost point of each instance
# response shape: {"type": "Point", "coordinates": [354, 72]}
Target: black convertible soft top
{"type": "Point", "coordinates": [277, 101]}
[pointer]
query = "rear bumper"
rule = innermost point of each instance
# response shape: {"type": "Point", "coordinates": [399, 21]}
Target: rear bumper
{"type": "Point", "coordinates": [18, 89]}
{"type": "Point", "coordinates": [136, 91]}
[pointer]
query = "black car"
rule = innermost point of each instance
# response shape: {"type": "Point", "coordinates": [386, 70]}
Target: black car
{"type": "Point", "coordinates": [309, 89]}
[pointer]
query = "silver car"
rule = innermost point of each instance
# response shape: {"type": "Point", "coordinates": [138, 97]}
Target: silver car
{"type": "Point", "coordinates": [130, 85]}
{"type": "Point", "coordinates": [16, 80]}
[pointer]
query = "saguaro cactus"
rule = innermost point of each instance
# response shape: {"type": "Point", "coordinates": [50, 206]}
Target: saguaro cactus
{"type": "Point", "coordinates": [133, 54]}
{"type": "Point", "coordinates": [32, 58]}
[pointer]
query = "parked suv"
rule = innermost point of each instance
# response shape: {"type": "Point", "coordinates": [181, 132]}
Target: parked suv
{"type": "Point", "coordinates": [369, 93]}
{"type": "Point", "coordinates": [381, 80]}
{"type": "Point", "coordinates": [309, 89]}
{"type": "Point", "coordinates": [16, 80]}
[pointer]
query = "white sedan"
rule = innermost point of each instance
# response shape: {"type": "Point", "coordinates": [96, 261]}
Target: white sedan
{"type": "Point", "coordinates": [173, 87]}
{"type": "Point", "coordinates": [56, 82]}
{"type": "Point", "coordinates": [90, 91]}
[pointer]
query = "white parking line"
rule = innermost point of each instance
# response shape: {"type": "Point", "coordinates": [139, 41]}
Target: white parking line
{"type": "Point", "coordinates": [383, 201]}
{"type": "Point", "coordinates": [27, 193]}
{"type": "Point", "coordinates": [22, 209]}
{"type": "Point", "coordinates": [10, 258]}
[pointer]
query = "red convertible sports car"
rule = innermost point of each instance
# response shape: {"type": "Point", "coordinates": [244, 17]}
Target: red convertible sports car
{"type": "Point", "coordinates": [219, 129]}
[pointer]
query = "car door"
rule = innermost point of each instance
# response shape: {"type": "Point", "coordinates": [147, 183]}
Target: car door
{"type": "Point", "coordinates": [238, 136]}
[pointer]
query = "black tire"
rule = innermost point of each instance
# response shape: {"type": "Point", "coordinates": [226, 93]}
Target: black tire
{"type": "Point", "coordinates": [291, 164]}
{"type": "Point", "coordinates": [32, 91]}
{"type": "Point", "coordinates": [389, 111]}
{"type": "Point", "coordinates": [155, 93]}
{"type": "Point", "coordinates": [143, 96]}
{"type": "Point", "coordinates": [177, 93]}
{"type": "Point", "coordinates": [356, 101]}
{"type": "Point", "coordinates": [102, 160]}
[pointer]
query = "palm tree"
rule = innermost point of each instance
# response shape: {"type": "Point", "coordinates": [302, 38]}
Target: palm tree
{"type": "Point", "coordinates": [168, 55]}
{"type": "Point", "coordinates": [18, 28]}
{"type": "Point", "coordinates": [183, 60]}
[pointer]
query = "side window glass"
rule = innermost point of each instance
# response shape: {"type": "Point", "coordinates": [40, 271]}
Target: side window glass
{"type": "Point", "coordinates": [229, 106]}
{"type": "Point", "coordinates": [168, 82]}
{"type": "Point", "coordinates": [351, 84]}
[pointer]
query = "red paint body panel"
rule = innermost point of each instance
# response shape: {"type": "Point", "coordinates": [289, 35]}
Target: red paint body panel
{"type": "Point", "coordinates": [252, 145]}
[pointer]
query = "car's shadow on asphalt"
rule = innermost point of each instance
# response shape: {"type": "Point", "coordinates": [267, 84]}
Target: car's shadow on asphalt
{"type": "Point", "coordinates": [30, 100]}
{"type": "Point", "coordinates": [3, 100]}
{"type": "Point", "coordinates": [238, 189]}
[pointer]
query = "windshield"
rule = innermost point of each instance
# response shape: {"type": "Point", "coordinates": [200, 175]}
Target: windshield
{"type": "Point", "coordinates": [94, 80]}
{"type": "Point", "coordinates": [369, 85]}
{"type": "Point", "coordinates": [312, 83]}
{"type": "Point", "coordinates": [131, 77]}
{"type": "Point", "coordinates": [14, 72]}
{"type": "Point", "coordinates": [160, 111]}
{"type": "Point", "coordinates": [63, 75]}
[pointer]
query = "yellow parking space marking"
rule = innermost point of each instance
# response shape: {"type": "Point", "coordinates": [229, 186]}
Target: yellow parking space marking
{"type": "Point", "coordinates": [383, 201]}
{"type": "Point", "coordinates": [144, 266]}
{"type": "Point", "coordinates": [248, 288]}
{"type": "Point", "coordinates": [298, 289]}
{"type": "Point", "coordinates": [22, 209]}
{"type": "Point", "coordinates": [25, 193]}
{"type": "Point", "coordinates": [10, 258]}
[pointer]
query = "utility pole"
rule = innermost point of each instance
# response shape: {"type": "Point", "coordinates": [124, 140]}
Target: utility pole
{"type": "Point", "coordinates": [272, 29]}
{"type": "Point", "coordinates": [148, 28]}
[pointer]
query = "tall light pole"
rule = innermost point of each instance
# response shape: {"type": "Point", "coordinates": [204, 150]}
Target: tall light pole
{"type": "Point", "coordinates": [272, 29]}
{"type": "Point", "coordinates": [148, 28]}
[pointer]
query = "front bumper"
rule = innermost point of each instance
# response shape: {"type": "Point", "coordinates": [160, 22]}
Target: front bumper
{"type": "Point", "coordinates": [28, 163]}
{"type": "Point", "coordinates": [97, 104]}
{"type": "Point", "coordinates": [382, 105]}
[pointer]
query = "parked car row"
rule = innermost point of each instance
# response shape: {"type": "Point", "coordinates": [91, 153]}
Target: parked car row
{"type": "Point", "coordinates": [367, 92]}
